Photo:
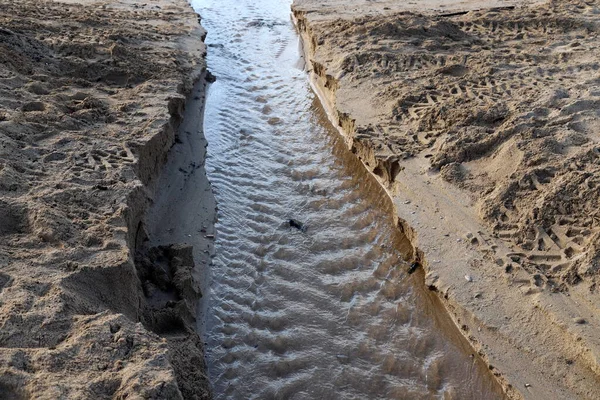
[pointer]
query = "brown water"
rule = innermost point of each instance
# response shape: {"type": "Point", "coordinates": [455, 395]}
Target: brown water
{"type": "Point", "coordinates": [329, 313]}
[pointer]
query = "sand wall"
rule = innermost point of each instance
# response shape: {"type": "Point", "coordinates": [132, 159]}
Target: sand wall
{"type": "Point", "coordinates": [91, 97]}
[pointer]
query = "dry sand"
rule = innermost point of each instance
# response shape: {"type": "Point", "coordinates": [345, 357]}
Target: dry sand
{"type": "Point", "coordinates": [91, 96]}
{"type": "Point", "coordinates": [484, 127]}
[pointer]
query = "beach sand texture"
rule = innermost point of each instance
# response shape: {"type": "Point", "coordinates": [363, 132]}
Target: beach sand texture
{"type": "Point", "coordinates": [483, 123]}
{"type": "Point", "coordinates": [91, 95]}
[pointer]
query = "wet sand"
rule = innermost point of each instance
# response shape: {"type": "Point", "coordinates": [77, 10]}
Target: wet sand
{"type": "Point", "coordinates": [481, 125]}
{"type": "Point", "coordinates": [94, 302]}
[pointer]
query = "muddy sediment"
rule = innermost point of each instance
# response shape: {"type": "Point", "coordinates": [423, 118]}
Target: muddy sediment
{"type": "Point", "coordinates": [481, 125]}
{"type": "Point", "coordinates": [91, 98]}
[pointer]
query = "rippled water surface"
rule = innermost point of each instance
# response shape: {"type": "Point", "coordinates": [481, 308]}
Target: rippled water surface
{"type": "Point", "coordinates": [328, 313]}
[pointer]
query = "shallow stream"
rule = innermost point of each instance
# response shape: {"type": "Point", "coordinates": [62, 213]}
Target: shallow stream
{"type": "Point", "coordinates": [328, 313]}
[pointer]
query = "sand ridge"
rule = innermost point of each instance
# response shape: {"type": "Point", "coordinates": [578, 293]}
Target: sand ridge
{"type": "Point", "coordinates": [91, 95]}
{"type": "Point", "coordinates": [482, 124]}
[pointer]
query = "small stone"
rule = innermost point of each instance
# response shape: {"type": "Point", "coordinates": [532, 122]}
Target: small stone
{"type": "Point", "coordinates": [210, 78]}
{"type": "Point", "coordinates": [413, 267]}
{"type": "Point", "coordinates": [579, 321]}
{"type": "Point", "coordinates": [469, 278]}
{"type": "Point", "coordinates": [114, 328]}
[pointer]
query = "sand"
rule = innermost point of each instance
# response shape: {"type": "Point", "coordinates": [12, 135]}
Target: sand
{"type": "Point", "coordinates": [94, 303]}
{"type": "Point", "coordinates": [481, 121]}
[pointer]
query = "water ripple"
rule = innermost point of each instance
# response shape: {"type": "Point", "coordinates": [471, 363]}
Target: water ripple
{"type": "Point", "coordinates": [329, 312]}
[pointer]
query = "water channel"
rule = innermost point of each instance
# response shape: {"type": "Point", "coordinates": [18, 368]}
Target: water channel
{"type": "Point", "coordinates": [328, 313]}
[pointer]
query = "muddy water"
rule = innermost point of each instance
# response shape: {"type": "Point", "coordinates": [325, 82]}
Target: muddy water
{"type": "Point", "coordinates": [328, 313]}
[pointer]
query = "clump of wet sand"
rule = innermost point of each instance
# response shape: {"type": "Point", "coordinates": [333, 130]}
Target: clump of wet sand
{"type": "Point", "coordinates": [91, 94]}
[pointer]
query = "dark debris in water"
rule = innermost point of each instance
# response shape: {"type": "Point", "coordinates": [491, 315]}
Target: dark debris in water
{"type": "Point", "coordinates": [413, 267]}
{"type": "Point", "coordinates": [297, 224]}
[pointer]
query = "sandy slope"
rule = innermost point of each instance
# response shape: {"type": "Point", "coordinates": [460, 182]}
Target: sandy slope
{"type": "Point", "coordinates": [91, 95]}
{"type": "Point", "coordinates": [484, 128]}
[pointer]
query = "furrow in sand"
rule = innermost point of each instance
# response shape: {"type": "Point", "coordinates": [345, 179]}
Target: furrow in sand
{"type": "Point", "coordinates": [408, 88]}
{"type": "Point", "coordinates": [94, 303]}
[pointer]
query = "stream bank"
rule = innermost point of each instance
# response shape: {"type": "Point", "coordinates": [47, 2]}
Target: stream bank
{"type": "Point", "coordinates": [418, 101]}
{"type": "Point", "coordinates": [91, 98]}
